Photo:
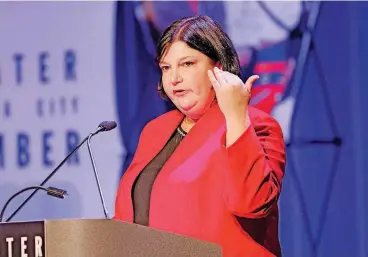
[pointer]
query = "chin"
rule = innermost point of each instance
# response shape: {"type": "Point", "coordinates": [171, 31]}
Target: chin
{"type": "Point", "coordinates": [192, 108]}
{"type": "Point", "coordinates": [193, 112]}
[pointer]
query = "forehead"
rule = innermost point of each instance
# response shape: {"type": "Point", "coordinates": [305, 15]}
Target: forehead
{"type": "Point", "coordinates": [179, 50]}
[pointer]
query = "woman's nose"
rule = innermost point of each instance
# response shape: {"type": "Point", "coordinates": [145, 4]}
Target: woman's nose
{"type": "Point", "coordinates": [175, 78]}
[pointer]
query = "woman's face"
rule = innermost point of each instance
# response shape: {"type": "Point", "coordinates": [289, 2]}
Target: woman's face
{"type": "Point", "coordinates": [185, 79]}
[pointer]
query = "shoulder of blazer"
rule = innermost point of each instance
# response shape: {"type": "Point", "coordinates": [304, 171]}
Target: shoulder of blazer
{"type": "Point", "coordinates": [257, 115]}
{"type": "Point", "coordinates": [166, 118]}
{"type": "Point", "coordinates": [261, 120]}
{"type": "Point", "coordinates": [161, 122]}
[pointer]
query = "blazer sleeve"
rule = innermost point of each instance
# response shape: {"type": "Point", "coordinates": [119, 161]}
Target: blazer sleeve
{"type": "Point", "coordinates": [256, 164]}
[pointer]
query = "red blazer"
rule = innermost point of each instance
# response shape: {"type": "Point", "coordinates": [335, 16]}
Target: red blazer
{"type": "Point", "coordinates": [223, 195]}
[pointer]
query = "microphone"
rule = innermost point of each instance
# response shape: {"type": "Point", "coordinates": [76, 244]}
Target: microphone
{"type": "Point", "coordinates": [106, 126]}
{"type": "Point", "coordinates": [52, 191]}
{"type": "Point", "coordinates": [103, 126]}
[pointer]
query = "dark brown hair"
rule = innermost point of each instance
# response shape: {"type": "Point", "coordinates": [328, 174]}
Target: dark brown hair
{"type": "Point", "coordinates": [204, 35]}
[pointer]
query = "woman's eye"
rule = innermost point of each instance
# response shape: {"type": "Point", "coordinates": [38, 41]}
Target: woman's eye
{"type": "Point", "coordinates": [188, 64]}
{"type": "Point", "coordinates": [164, 68]}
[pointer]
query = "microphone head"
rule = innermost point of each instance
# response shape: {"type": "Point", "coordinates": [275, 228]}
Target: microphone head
{"type": "Point", "coordinates": [56, 192]}
{"type": "Point", "coordinates": [107, 125]}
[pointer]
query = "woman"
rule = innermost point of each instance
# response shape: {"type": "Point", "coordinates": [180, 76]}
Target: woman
{"type": "Point", "coordinates": [212, 168]}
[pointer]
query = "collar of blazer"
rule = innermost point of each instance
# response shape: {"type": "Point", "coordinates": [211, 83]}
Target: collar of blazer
{"type": "Point", "coordinates": [159, 131]}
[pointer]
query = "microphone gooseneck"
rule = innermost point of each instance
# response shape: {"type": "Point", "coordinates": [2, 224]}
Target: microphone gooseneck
{"type": "Point", "coordinates": [52, 191]}
{"type": "Point", "coordinates": [96, 176]}
{"type": "Point", "coordinates": [103, 126]}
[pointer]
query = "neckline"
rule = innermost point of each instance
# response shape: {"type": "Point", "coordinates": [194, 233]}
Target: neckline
{"type": "Point", "coordinates": [181, 131]}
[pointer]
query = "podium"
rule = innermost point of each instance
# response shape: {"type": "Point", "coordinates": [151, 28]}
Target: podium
{"type": "Point", "coordinates": [97, 237]}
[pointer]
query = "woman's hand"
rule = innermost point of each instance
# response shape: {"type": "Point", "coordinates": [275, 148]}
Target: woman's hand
{"type": "Point", "coordinates": [232, 94]}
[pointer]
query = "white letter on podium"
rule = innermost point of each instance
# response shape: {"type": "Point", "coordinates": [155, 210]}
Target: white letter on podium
{"type": "Point", "coordinates": [10, 248]}
{"type": "Point", "coordinates": [38, 246]}
{"type": "Point", "coordinates": [23, 246]}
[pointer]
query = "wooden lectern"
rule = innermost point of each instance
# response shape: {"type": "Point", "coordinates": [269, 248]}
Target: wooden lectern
{"type": "Point", "coordinates": [95, 237]}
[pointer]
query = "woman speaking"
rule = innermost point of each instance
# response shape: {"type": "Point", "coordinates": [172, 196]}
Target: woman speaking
{"type": "Point", "coordinates": [212, 168]}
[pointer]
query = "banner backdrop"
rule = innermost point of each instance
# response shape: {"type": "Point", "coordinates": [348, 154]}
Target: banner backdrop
{"type": "Point", "coordinates": [56, 86]}
{"type": "Point", "coordinates": [306, 54]}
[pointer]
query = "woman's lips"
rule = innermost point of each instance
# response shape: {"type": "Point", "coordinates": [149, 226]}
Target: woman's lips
{"type": "Point", "coordinates": [180, 92]}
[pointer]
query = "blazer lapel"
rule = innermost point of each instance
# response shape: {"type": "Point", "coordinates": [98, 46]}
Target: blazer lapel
{"type": "Point", "coordinates": [158, 135]}
{"type": "Point", "coordinates": [211, 122]}
{"type": "Point", "coordinates": [161, 133]}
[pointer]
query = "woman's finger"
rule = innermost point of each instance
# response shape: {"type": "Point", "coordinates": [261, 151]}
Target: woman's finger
{"type": "Point", "coordinates": [220, 77]}
{"type": "Point", "coordinates": [216, 85]}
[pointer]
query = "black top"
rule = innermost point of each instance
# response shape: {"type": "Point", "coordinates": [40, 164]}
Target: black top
{"type": "Point", "coordinates": [143, 185]}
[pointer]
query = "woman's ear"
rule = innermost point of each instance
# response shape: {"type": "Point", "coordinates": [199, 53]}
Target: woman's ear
{"type": "Point", "coordinates": [219, 65]}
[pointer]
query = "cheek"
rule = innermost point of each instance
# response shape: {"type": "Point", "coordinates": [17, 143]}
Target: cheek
{"type": "Point", "coordinates": [201, 84]}
{"type": "Point", "coordinates": [206, 89]}
{"type": "Point", "coordinates": [165, 85]}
